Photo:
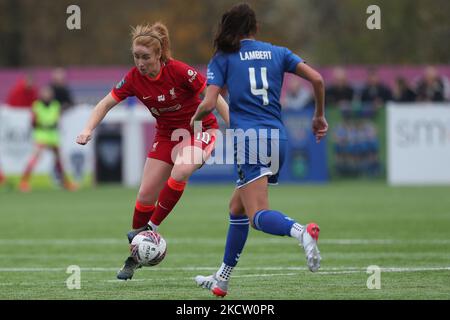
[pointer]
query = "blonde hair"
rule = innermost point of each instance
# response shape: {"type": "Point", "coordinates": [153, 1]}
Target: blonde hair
{"type": "Point", "coordinates": [152, 36]}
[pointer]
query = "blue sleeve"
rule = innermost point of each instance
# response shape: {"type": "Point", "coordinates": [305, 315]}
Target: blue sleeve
{"type": "Point", "coordinates": [216, 72]}
{"type": "Point", "coordinates": [291, 61]}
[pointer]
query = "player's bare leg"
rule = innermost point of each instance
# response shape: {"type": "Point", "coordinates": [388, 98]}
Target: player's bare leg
{"type": "Point", "coordinates": [236, 204]}
{"type": "Point", "coordinates": [187, 162]}
{"type": "Point", "coordinates": [254, 197]}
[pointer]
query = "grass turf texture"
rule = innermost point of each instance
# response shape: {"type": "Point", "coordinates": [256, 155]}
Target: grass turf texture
{"type": "Point", "coordinates": [405, 231]}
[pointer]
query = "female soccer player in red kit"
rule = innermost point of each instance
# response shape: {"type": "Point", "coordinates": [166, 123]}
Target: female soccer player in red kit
{"type": "Point", "coordinates": [170, 89]}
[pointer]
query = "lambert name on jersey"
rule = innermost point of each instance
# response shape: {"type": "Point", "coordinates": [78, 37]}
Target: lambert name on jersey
{"type": "Point", "coordinates": [256, 55]}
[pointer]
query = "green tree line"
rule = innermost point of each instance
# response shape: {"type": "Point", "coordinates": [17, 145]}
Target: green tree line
{"type": "Point", "coordinates": [34, 33]}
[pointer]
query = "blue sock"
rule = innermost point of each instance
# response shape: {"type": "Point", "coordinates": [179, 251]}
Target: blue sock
{"type": "Point", "coordinates": [236, 238]}
{"type": "Point", "coordinates": [273, 222]}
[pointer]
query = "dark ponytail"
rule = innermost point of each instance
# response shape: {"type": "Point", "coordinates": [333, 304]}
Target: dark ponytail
{"type": "Point", "coordinates": [237, 23]}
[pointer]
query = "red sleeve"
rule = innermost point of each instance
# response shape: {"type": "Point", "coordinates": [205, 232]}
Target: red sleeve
{"type": "Point", "coordinates": [124, 88]}
{"type": "Point", "coordinates": [191, 78]}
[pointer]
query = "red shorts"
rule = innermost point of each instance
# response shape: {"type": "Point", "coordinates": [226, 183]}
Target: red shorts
{"type": "Point", "coordinates": [166, 150]}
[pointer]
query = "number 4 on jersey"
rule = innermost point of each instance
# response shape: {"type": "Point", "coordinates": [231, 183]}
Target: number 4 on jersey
{"type": "Point", "coordinates": [263, 91]}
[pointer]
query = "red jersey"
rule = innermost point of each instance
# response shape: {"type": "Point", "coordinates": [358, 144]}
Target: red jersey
{"type": "Point", "coordinates": [172, 96]}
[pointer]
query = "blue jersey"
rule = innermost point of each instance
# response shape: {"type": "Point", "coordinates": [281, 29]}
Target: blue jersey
{"type": "Point", "coordinates": [254, 77]}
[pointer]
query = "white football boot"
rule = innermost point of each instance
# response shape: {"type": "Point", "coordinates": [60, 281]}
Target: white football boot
{"type": "Point", "coordinates": [308, 240]}
{"type": "Point", "coordinates": [217, 287]}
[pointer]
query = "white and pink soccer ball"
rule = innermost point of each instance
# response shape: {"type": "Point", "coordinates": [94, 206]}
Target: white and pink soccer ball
{"type": "Point", "coordinates": [148, 248]}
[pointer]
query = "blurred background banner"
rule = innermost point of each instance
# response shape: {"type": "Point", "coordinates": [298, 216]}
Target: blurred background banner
{"type": "Point", "coordinates": [418, 138]}
{"type": "Point", "coordinates": [306, 160]}
{"type": "Point", "coordinates": [16, 142]}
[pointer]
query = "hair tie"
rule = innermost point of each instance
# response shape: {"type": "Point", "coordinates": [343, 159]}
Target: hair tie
{"type": "Point", "coordinates": [148, 35]}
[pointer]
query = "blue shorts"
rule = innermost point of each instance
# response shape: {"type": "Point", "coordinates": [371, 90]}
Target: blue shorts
{"type": "Point", "coordinates": [257, 158]}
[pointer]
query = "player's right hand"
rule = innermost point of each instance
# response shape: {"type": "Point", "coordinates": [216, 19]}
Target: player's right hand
{"type": "Point", "coordinates": [84, 137]}
{"type": "Point", "coordinates": [319, 127]}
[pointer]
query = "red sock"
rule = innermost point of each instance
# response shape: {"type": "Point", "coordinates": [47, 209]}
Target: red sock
{"type": "Point", "coordinates": [168, 198]}
{"type": "Point", "coordinates": [142, 214]}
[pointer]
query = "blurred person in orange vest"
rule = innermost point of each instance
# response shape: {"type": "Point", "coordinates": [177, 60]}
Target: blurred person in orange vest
{"type": "Point", "coordinates": [46, 115]}
{"type": "Point", "coordinates": [23, 94]}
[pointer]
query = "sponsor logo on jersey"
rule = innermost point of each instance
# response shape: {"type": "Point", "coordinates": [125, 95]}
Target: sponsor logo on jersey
{"type": "Point", "coordinates": [209, 75]}
{"type": "Point", "coordinates": [120, 84]}
{"type": "Point", "coordinates": [164, 110]}
{"type": "Point", "coordinates": [170, 109]}
{"type": "Point", "coordinates": [146, 97]}
{"type": "Point", "coordinates": [192, 74]}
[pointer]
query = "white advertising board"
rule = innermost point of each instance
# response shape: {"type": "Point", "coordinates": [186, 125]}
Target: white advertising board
{"type": "Point", "coordinates": [418, 144]}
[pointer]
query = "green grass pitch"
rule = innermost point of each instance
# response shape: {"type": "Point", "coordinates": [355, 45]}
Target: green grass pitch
{"type": "Point", "coordinates": [405, 231]}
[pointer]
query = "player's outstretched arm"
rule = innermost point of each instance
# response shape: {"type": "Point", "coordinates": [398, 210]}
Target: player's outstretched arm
{"type": "Point", "coordinates": [319, 123]}
{"type": "Point", "coordinates": [223, 109]}
{"type": "Point", "coordinates": [97, 115]}
{"type": "Point", "coordinates": [207, 105]}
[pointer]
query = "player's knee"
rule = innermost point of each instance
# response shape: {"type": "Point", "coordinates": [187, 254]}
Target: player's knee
{"type": "Point", "coordinates": [252, 224]}
{"type": "Point", "coordinates": [145, 197]}
{"type": "Point", "coordinates": [236, 209]}
{"type": "Point", "coordinates": [182, 173]}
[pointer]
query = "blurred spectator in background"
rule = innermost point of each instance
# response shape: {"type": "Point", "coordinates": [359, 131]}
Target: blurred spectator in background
{"type": "Point", "coordinates": [23, 94]}
{"type": "Point", "coordinates": [374, 91]}
{"type": "Point", "coordinates": [369, 141]}
{"type": "Point", "coordinates": [356, 148]}
{"type": "Point", "coordinates": [60, 88]}
{"type": "Point", "coordinates": [431, 86]}
{"type": "Point", "coordinates": [340, 92]}
{"type": "Point", "coordinates": [46, 115]}
{"type": "Point", "coordinates": [296, 97]}
{"type": "Point", "coordinates": [402, 91]}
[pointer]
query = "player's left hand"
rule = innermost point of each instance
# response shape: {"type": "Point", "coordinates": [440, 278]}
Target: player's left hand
{"type": "Point", "coordinates": [84, 137]}
{"type": "Point", "coordinates": [319, 127]}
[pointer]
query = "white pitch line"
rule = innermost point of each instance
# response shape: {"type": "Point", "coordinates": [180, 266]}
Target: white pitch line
{"type": "Point", "coordinates": [326, 271]}
{"type": "Point", "coordinates": [234, 276]}
{"type": "Point", "coordinates": [215, 241]}
{"type": "Point", "coordinates": [161, 269]}
{"type": "Point", "coordinates": [89, 258]}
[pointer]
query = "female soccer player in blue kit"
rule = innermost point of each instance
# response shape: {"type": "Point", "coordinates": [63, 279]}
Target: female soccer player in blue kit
{"type": "Point", "coordinates": [252, 71]}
